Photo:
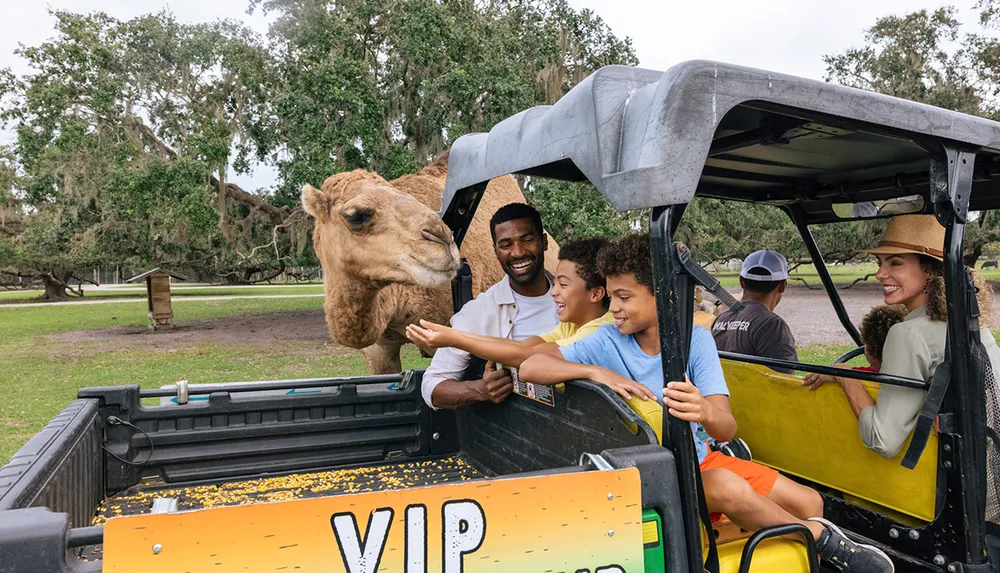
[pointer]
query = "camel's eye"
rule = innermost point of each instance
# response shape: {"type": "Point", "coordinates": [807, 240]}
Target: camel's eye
{"type": "Point", "coordinates": [358, 218]}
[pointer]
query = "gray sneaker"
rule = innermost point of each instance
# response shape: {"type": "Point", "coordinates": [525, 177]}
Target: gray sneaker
{"type": "Point", "coordinates": [848, 556]}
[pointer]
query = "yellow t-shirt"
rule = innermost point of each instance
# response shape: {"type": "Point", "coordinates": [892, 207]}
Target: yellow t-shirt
{"type": "Point", "coordinates": [567, 332]}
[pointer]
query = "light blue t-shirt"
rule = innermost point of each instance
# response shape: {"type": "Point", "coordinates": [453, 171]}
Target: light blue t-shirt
{"type": "Point", "coordinates": [621, 354]}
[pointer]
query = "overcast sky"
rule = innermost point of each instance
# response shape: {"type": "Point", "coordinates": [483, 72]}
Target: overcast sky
{"type": "Point", "coordinates": [787, 36]}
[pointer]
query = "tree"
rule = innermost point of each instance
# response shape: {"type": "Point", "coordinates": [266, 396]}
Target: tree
{"type": "Point", "coordinates": [919, 56]}
{"type": "Point", "coordinates": [386, 84]}
{"type": "Point", "coordinates": [125, 131]}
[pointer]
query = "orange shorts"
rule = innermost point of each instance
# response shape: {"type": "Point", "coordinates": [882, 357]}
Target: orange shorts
{"type": "Point", "coordinates": [761, 478]}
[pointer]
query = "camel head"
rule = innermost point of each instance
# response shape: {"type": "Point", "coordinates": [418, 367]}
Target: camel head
{"type": "Point", "coordinates": [367, 230]}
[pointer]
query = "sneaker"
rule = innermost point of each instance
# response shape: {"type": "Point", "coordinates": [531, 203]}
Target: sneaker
{"type": "Point", "coordinates": [848, 556]}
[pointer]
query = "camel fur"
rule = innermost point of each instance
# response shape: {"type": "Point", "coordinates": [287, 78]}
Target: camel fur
{"type": "Point", "coordinates": [388, 258]}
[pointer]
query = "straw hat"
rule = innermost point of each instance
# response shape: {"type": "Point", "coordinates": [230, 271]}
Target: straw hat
{"type": "Point", "coordinates": [917, 234]}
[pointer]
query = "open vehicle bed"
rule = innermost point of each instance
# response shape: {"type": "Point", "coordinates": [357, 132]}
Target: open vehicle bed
{"type": "Point", "coordinates": [109, 454]}
{"type": "Point", "coordinates": [361, 479]}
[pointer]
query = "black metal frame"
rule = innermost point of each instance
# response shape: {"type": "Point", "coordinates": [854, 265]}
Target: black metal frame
{"type": "Point", "coordinates": [959, 540]}
{"type": "Point", "coordinates": [957, 535]}
{"type": "Point", "coordinates": [674, 293]}
{"type": "Point", "coordinates": [790, 529]}
{"type": "Point", "coordinates": [831, 370]}
{"type": "Point", "coordinates": [798, 217]}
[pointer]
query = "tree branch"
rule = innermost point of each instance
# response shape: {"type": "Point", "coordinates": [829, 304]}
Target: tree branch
{"type": "Point", "coordinates": [803, 281]}
{"type": "Point", "coordinates": [82, 280]}
{"type": "Point", "coordinates": [267, 278]}
{"type": "Point", "coordinates": [862, 279]}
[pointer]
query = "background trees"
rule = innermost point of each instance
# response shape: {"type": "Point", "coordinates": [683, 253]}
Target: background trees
{"type": "Point", "coordinates": [128, 133]}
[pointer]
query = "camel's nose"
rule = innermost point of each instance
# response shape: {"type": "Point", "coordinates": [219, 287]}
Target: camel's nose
{"type": "Point", "coordinates": [439, 233]}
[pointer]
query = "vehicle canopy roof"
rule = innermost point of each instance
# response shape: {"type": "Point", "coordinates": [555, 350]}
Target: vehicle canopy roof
{"type": "Point", "coordinates": [646, 138]}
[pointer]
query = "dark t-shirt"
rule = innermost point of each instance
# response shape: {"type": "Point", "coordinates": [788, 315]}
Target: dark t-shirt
{"type": "Point", "coordinates": [756, 331]}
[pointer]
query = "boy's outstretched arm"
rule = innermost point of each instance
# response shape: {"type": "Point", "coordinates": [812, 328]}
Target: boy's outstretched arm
{"type": "Point", "coordinates": [547, 369]}
{"type": "Point", "coordinates": [685, 401]}
{"type": "Point", "coordinates": [499, 350]}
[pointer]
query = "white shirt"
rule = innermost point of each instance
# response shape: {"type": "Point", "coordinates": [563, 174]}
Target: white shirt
{"type": "Point", "coordinates": [495, 312]}
{"type": "Point", "coordinates": [535, 315]}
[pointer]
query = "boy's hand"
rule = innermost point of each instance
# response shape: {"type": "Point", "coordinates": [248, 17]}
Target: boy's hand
{"type": "Point", "coordinates": [497, 384]}
{"type": "Point", "coordinates": [684, 401]}
{"type": "Point", "coordinates": [429, 334]}
{"type": "Point", "coordinates": [623, 386]}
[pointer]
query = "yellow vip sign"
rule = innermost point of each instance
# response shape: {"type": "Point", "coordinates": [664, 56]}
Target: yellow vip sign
{"type": "Point", "coordinates": [547, 523]}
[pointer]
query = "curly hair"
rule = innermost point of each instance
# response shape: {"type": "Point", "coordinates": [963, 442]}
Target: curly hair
{"type": "Point", "coordinates": [876, 324]}
{"type": "Point", "coordinates": [937, 301]}
{"type": "Point", "coordinates": [584, 253]}
{"type": "Point", "coordinates": [629, 255]}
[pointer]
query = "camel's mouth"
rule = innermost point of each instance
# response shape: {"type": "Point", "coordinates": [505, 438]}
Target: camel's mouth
{"type": "Point", "coordinates": [432, 271]}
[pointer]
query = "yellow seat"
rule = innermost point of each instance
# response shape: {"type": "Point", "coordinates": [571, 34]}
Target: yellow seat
{"type": "Point", "coordinates": [814, 435]}
{"type": "Point", "coordinates": [651, 412]}
{"type": "Point", "coordinates": [778, 554]}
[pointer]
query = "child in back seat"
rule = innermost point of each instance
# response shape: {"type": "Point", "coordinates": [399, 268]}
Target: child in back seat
{"type": "Point", "coordinates": [874, 328]}
{"type": "Point", "coordinates": [581, 302]}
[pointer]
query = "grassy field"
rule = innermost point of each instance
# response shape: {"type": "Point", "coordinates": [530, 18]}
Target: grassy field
{"type": "Point", "coordinates": [176, 291]}
{"type": "Point", "coordinates": [841, 274]}
{"type": "Point", "coordinates": [39, 376]}
{"type": "Point", "coordinates": [40, 372]}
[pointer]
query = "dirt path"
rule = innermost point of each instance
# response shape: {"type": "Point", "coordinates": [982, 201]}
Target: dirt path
{"type": "Point", "coordinates": [808, 312]}
{"type": "Point", "coordinates": [305, 328]}
{"type": "Point", "coordinates": [812, 319]}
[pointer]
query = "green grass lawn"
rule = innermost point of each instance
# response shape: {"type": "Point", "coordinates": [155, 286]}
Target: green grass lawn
{"type": "Point", "coordinates": [841, 274]}
{"type": "Point", "coordinates": [26, 323]}
{"type": "Point", "coordinates": [38, 377]}
{"type": "Point", "coordinates": [178, 291]}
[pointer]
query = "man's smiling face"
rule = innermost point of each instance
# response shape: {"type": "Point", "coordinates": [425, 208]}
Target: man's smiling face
{"type": "Point", "coordinates": [520, 248]}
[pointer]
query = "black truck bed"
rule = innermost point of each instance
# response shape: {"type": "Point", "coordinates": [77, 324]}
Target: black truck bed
{"type": "Point", "coordinates": [411, 473]}
{"type": "Point", "coordinates": [364, 479]}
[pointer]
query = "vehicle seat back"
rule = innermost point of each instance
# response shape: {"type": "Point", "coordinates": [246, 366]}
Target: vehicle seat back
{"type": "Point", "coordinates": [814, 435]}
{"type": "Point", "coordinates": [787, 555]}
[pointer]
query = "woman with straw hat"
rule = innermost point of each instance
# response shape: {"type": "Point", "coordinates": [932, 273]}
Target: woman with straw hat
{"type": "Point", "coordinates": [910, 257]}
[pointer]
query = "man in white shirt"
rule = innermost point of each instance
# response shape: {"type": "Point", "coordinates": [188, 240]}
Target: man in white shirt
{"type": "Point", "coordinates": [518, 307]}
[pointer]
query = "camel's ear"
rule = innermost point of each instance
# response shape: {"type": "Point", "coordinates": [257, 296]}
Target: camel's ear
{"type": "Point", "coordinates": [315, 203]}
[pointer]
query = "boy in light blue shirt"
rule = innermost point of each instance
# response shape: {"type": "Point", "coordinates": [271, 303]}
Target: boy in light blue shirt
{"type": "Point", "coordinates": [626, 357]}
{"type": "Point", "coordinates": [620, 353]}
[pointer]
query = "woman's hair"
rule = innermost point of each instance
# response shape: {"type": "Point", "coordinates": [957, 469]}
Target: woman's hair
{"type": "Point", "coordinates": [937, 302]}
{"type": "Point", "coordinates": [876, 324]}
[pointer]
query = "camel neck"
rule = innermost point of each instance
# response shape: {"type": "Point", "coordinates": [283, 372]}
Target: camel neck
{"type": "Point", "coordinates": [354, 310]}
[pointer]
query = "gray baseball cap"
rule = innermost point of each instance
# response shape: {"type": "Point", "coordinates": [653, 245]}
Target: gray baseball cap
{"type": "Point", "coordinates": [773, 261]}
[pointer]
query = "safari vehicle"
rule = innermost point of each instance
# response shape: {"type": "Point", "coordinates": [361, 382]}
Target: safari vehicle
{"type": "Point", "coordinates": [577, 480]}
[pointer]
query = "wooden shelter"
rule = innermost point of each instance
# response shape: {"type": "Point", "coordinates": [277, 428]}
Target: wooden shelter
{"type": "Point", "coordinates": [158, 295]}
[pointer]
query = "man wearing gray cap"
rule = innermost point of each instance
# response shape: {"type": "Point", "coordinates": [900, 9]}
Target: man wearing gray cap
{"type": "Point", "coordinates": [755, 329]}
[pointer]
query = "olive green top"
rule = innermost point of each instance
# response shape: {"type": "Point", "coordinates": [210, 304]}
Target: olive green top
{"type": "Point", "coordinates": [913, 348]}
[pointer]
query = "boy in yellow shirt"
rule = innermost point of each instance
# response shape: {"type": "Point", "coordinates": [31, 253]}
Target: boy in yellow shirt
{"type": "Point", "coordinates": [581, 302]}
